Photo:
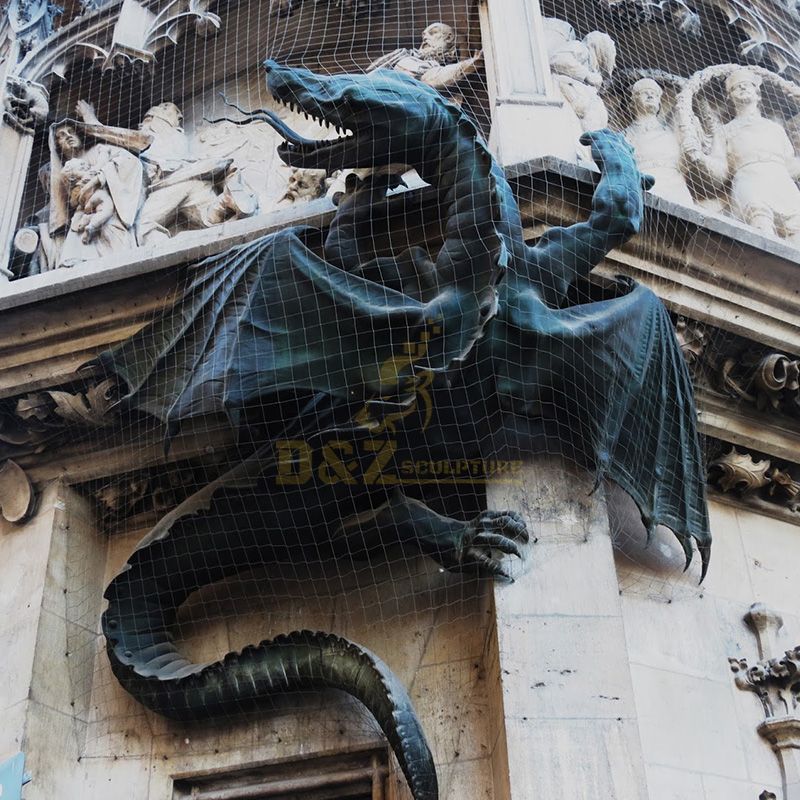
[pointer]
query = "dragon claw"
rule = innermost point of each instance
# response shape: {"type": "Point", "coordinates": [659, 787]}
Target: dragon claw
{"type": "Point", "coordinates": [488, 538]}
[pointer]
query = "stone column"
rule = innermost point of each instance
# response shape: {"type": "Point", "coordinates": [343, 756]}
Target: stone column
{"type": "Point", "coordinates": [569, 726]}
{"type": "Point", "coordinates": [529, 118]}
{"type": "Point", "coordinates": [51, 572]}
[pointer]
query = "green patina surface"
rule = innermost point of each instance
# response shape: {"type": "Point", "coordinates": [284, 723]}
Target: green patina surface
{"type": "Point", "coordinates": [374, 373]}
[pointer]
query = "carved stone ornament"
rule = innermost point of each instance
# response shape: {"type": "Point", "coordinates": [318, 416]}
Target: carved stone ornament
{"type": "Point", "coordinates": [17, 498]}
{"type": "Point", "coordinates": [748, 161]}
{"type": "Point", "coordinates": [627, 14]}
{"type": "Point", "coordinates": [580, 69]}
{"type": "Point", "coordinates": [757, 482]}
{"type": "Point", "coordinates": [35, 421]}
{"type": "Point", "coordinates": [693, 338]}
{"type": "Point", "coordinates": [738, 472]}
{"type": "Point", "coordinates": [31, 20]}
{"type": "Point", "coordinates": [140, 31]}
{"type": "Point", "coordinates": [776, 682]}
{"type": "Point", "coordinates": [90, 408]}
{"type": "Point", "coordinates": [435, 62]}
{"type": "Point", "coordinates": [25, 104]}
{"type": "Point", "coordinates": [655, 142]}
{"type": "Point", "coordinates": [105, 199]}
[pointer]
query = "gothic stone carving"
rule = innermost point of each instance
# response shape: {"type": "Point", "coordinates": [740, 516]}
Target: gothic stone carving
{"type": "Point", "coordinates": [113, 189]}
{"type": "Point", "coordinates": [435, 62]}
{"type": "Point", "coordinates": [25, 104]}
{"type": "Point", "coordinates": [775, 680]}
{"type": "Point", "coordinates": [655, 143]}
{"type": "Point", "coordinates": [36, 421]}
{"type": "Point", "coordinates": [751, 156]}
{"type": "Point", "coordinates": [739, 472]}
{"type": "Point", "coordinates": [580, 69]}
{"type": "Point", "coordinates": [755, 480]}
{"type": "Point", "coordinates": [139, 32]}
{"type": "Point", "coordinates": [93, 407]}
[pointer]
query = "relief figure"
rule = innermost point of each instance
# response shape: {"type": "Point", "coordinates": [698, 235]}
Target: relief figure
{"type": "Point", "coordinates": [96, 192]}
{"type": "Point", "coordinates": [580, 69]}
{"type": "Point", "coordinates": [754, 156]}
{"type": "Point", "coordinates": [435, 62]}
{"type": "Point", "coordinates": [655, 144]}
{"type": "Point", "coordinates": [184, 192]}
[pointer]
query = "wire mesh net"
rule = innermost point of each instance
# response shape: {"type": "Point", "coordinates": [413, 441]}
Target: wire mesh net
{"type": "Point", "coordinates": [358, 342]}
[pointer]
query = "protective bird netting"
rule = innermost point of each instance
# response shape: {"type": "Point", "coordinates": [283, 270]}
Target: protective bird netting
{"type": "Point", "coordinates": [370, 328]}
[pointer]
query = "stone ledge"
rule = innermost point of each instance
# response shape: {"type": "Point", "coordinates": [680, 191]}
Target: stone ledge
{"type": "Point", "coordinates": [183, 248]}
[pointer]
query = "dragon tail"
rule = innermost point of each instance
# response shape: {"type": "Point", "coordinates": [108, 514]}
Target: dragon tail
{"type": "Point", "coordinates": [143, 604]}
{"type": "Point", "coordinates": [161, 679]}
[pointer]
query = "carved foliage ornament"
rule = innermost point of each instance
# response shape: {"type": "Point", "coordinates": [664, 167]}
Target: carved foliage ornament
{"type": "Point", "coordinates": [25, 104]}
{"type": "Point", "coordinates": [35, 421]}
{"type": "Point", "coordinates": [775, 680]}
{"type": "Point", "coordinates": [92, 407]}
{"type": "Point", "coordinates": [741, 474]}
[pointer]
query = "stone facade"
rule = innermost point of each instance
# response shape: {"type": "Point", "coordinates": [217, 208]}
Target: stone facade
{"type": "Point", "coordinates": [603, 670]}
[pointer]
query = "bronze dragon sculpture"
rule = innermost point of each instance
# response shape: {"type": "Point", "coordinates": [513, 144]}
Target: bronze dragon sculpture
{"type": "Point", "coordinates": [317, 334]}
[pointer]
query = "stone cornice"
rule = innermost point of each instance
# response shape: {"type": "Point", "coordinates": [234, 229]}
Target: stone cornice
{"type": "Point", "coordinates": [705, 267]}
{"type": "Point", "coordinates": [55, 322]}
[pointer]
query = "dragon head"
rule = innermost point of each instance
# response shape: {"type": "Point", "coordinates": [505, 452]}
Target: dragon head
{"type": "Point", "coordinates": [386, 117]}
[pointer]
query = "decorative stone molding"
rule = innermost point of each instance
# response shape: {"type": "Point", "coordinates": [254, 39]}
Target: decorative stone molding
{"type": "Point", "coordinates": [17, 498]}
{"type": "Point", "coordinates": [25, 104]}
{"type": "Point", "coordinates": [766, 379]}
{"type": "Point", "coordinates": [776, 682]}
{"type": "Point", "coordinates": [755, 480]}
{"type": "Point", "coordinates": [36, 421]}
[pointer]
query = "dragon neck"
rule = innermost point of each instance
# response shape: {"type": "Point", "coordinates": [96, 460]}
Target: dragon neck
{"type": "Point", "coordinates": [467, 183]}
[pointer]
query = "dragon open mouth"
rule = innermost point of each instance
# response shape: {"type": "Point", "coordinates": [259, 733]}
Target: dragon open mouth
{"type": "Point", "coordinates": [296, 145]}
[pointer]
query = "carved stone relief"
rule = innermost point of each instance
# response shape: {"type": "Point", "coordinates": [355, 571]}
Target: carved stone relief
{"type": "Point", "coordinates": [735, 368]}
{"type": "Point", "coordinates": [25, 104]}
{"type": "Point", "coordinates": [435, 62]}
{"type": "Point", "coordinates": [748, 160]}
{"type": "Point", "coordinates": [33, 422]}
{"type": "Point", "coordinates": [655, 142]}
{"type": "Point", "coordinates": [580, 69]}
{"type": "Point", "coordinates": [775, 680]}
{"type": "Point", "coordinates": [756, 480]}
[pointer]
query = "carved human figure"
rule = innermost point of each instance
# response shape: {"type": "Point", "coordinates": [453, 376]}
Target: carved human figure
{"type": "Point", "coordinates": [435, 62]}
{"type": "Point", "coordinates": [96, 192]}
{"type": "Point", "coordinates": [92, 205]}
{"type": "Point", "coordinates": [183, 191]}
{"type": "Point", "coordinates": [655, 143]}
{"type": "Point", "coordinates": [305, 184]}
{"type": "Point", "coordinates": [756, 155]}
{"type": "Point", "coordinates": [580, 68]}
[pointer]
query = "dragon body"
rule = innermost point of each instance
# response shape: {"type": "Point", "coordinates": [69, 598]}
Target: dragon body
{"type": "Point", "coordinates": [326, 339]}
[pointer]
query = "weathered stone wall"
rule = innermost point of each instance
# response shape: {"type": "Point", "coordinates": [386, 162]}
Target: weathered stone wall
{"type": "Point", "coordinates": [86, 736]}
{"type": "Point", "coordinates": [698, 730]}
